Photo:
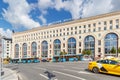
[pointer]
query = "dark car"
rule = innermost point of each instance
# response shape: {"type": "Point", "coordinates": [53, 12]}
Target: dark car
{"type": "Point", "coordinates": [44, 60]}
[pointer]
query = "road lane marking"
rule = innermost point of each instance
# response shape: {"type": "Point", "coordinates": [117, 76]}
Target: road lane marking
{"type": "Point", "coordinates": [83, 72]}
{"type": "Point", "coordinates": [44, 76]}
{"type": "Point", "coordinates": [40, 68]}
{"type": "Point", "coordinates": [70, 70]}
{"type": "Point", "coordinates": [77, 68]}
{"type": "Point", "coordinates": [69, 75]}
{"type": "Point", "coordinates": [47, 77]}
{"type": "Point", "coordinates": [55, 66]}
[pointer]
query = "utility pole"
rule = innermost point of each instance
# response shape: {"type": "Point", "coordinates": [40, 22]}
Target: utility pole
{"type": "Point", "coordinates": [1, 57]}
{"type": "Point", "coordinates": [0, 67]}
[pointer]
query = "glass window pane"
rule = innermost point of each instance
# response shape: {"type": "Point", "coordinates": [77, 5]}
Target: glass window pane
{"type": "Point", "coordinates": [111, 41]}
{"type": "Point", "coordinates": [71, 46]}
{"type": "Point", "coordinates": [57, 47]}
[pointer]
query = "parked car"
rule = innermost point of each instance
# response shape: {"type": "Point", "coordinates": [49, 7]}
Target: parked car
{"type": "Point", "coordinates": [87, 59]}
{"type": "Point", "coordinates": [29, 61]}
{"type": "Point", "coordinates": [109, 66]}
{"type": "Point", "coordinates": [44, 60]}
{"type": "Point", "coordinates": [36, 61]}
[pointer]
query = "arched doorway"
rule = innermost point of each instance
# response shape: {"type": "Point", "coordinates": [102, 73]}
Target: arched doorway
{"type": "Point", "coordinates": [57, 47]}
{"type": "Point", "coordinates": [24, 49]}
{"type": "Point", "coordinates": [34, 49]}
{"type": "Point", "coordinates": [72, 46]}
{"type": "Point", "coordinates": [89, 44]}
{"type": "Point", "coordinates": [111, 40]}
{"type": "Point", "coordinates": [44, 49]}
{"type": "Point", "coordinates": [16, 51]}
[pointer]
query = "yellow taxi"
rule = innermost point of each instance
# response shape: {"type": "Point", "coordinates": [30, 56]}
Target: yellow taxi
{"type": "Point", "coordinates": [109, 66]}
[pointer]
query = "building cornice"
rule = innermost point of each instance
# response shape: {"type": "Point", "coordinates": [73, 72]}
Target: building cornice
{"type": "Point", "coordinates": [70, 22]}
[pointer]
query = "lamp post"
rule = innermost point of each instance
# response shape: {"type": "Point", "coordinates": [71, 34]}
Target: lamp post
{"type": "Point", "coordinates": [1, 57]}
{"type": "Point", "coordinates": [0, 67]}
{"type": "Point", "coordinates": [0, 60]}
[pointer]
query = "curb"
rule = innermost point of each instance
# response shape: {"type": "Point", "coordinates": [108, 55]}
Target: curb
{"type": "Point", "coordinates": [19, 77]}
{"type": "Point", "coordinates": [9, 74]}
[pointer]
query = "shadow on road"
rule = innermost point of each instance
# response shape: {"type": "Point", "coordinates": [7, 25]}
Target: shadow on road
{"type": "Point", "coordinates": [49, 75]}
{"type": "Point", "coordinates": [103, 73]}
{"type": "Point", "coordinates": [88, 70]}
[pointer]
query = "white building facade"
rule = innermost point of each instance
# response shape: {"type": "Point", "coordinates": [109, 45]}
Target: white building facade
{"type": "Point", "coordinates": [7, 47]}
{"type": "Point", "coordinates": [98, 33]}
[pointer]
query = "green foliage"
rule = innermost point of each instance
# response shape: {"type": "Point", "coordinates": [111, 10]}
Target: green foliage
{"type": "Point", "coordinates": [63, 53]}
{"type": "Point", "coordinates": [113, 50]}
{"type": "Point", "coordinates": [86, 52]}
{"type": "Point", "coordinates": [119, 50]}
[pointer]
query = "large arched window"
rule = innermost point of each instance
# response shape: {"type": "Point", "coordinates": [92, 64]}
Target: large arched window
{"type": "Point", "coordinates": [16, 51]}
{"type": "Point", "coordinates": [44, 49]}
{"type": "Point", "coordinates": [24, 50]}
{"type": "Point", "coordinates": [57, 47]}
{"type": "Point", "coordinates": [34, 49]}
{"type": "Point", "coordinates": [89, 44]}
{"type": "Point", "coordinates": [111, 40]}
{"type": "Point", "coordinates": [71, 46]}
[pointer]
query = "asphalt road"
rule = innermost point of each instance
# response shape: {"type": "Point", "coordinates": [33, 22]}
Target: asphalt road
{"type": "Point", "coordinates": [59, 71]}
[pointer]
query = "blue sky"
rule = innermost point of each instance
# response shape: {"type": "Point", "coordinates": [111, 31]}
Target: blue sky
{"type": "Point", "coordinates": [20, 15]}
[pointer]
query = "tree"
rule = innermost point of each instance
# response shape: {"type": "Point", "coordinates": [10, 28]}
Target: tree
{"type": "Point", "coordinates": [119, 50]}
{"type": "Point", "coordinates": [113, 50]}
{"type": "Point", "coordinates": [84, 52]}
{"type": "Point", "coordinates": [88, 52]}
{"type": "Point", "coordinates": [62, 54]}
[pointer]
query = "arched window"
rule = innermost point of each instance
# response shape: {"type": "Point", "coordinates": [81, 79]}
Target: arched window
{"type": "Point", "coordinates": [16, 51]}
{"type": "Point", "coordinates": [44, 49]}
{"type": "Point", "coordinates": [111, 40]}
{"type": "Point", "coordinates": [89, 44]}
{"type": "Point", "coordinates": [34, 49]}
{"type": "Point", "coordinates": [71, 46]}
{"type": "Point", "coordinates": [57, 47]}
{"type": "Point", "coordinates": [24, 50]}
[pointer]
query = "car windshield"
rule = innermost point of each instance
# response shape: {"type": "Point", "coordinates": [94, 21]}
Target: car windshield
{"type": "Point", "coordinates": [114, 62]}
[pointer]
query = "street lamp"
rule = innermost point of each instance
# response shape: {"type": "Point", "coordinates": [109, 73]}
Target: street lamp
{"type": "Point", "coordinates": [1, 58]}
{"type": "Point", "coordinates": [1, 65]}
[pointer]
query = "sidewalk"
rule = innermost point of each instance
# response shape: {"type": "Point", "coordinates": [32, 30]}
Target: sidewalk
{"type": "Point", "coordinates": [9, 74]}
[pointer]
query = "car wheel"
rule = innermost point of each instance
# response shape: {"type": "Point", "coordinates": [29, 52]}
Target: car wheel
{"type": "Point", "coordinates": [95, 70]}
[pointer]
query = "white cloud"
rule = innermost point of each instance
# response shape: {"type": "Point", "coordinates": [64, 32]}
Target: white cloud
{"type": "Point", "coordinates": [18, 14]}
{"type": "Point", "coordinates": [116, 5]}
{"type": "Point", "coordinates": [97, 7]}
{"type": "Point", "coordinates": [79, 8]}
{"type": "Point", "coordinates": [7, 33]}
{"type": "Point", "coordinates": [44, 4]}
{"type": "Point", "coordinates": [18, 10]}
{"type": "Point", "coordinates": [58, 4]}
{"type": "Point", "coordinates": [73, 6]}
{"type": "Point", "coordinates": [42, 19]}
{"type": "Point", "coordinates": [84, 8]}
